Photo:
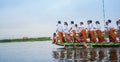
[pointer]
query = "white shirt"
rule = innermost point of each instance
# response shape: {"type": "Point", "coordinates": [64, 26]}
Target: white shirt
{"type": "Point", "coordinates": [59, 28]}
{"type": "Point", "coordinates": [53, 37]}
{"type": "Point", "coordinates": [90, 27]}
{"type": "Point", "coordinates": [106, 27]}
{"type": "Point", "coordinates": [81, 28]}
{"type": "Point", "coordinates": [77, 29]}
{"type": "Point", "coordinates": [118, 26]}
{"type": "Point", "coordinates": [72, 27]}
{"type": "Point", "coordinates": [110, 26]}
{"type": "Point", "coordinates": [66, 29]}
{"type": "Point", "coordinates": [98, 27]}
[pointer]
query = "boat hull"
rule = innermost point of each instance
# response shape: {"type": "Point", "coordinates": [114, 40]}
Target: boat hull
{"type": "Point", "coordinates": [92, 44]}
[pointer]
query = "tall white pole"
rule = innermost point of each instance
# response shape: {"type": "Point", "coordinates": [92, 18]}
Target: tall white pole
{"type": "Point", "coordinates": [103, 12]}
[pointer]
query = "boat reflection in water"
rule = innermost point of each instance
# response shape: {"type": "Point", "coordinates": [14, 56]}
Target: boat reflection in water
{"type": "Point", "coordinates": [87, 55]}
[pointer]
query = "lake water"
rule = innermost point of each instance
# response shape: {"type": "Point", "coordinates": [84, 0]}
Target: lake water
{"type": "Point", "coordinates": [44, 51]}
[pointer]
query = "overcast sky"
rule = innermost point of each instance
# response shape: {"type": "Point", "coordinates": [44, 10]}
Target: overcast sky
{"type": "Point", "coordinates": [38, 18]}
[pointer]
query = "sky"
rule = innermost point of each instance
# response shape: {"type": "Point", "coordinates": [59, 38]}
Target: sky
{"type": "Point", "coordinates": [38, 18]}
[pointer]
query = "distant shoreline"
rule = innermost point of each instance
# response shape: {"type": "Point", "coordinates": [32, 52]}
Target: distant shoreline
{"type": "Point", "coordinates": [26, 39]}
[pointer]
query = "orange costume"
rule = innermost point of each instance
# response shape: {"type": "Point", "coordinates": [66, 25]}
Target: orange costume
{"type": "Point", "coordinates": [60, 35]}
{"type": "Point", "coordinates": [66, 33]}
{"type": "Point", "coordinates": [100, 37]}
{"type": "Point", "coordinates": [99, 32]}
{"type": "Point", "coordinates": [67, 37]}
{"type": "Point", "coordinates": [91, 33]}
{"type": "Point", "coordinates": [112, 35]}
{"type": "Point", "coordinates": [92, 36]}
{"type": "Point", "coordinates": [84, 35]}
{"type": "Point", "coordinates": [59, 31]}
{"type": "Point", "coordinates": [74, 33]}
{"type": "Point", "coordinates": [111, 30]}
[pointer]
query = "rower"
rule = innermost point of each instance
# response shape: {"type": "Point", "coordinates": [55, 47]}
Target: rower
{"type": "Point", "coordinates": [91, 31]}
{"type": "Point", "coordinates": [111, 31]}
{"type": "Point", "coordinates": [99, 32]}
{"type": "Point", "coordinates": [59, 31]}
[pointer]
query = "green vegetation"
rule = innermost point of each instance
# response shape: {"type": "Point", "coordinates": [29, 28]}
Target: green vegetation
{"type": "Point", "coordinates": [92, 44]}
{"type": "Point", "coordinates": [26, 39]}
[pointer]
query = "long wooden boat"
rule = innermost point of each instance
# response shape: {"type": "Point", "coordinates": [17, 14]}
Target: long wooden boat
{"type": "Point", "coordinates": [92, 44]}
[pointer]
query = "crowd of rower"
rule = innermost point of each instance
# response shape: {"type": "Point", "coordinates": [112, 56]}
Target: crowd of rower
{"type": "Point", "coordinates": [80, 34]}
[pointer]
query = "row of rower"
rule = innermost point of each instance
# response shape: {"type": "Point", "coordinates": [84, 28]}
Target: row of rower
{"type": "Point", "coordinates": [66, 34]}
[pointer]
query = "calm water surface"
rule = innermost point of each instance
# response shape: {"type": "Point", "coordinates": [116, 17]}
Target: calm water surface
{"type": "Point", "coordinates": [46, 52]}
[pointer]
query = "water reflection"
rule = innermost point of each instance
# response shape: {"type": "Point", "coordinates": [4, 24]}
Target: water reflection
{"type": "Point", "coordinates": [87, 55]}
{"type": "Point", "coordinates": [47, 52]}
{"type": "Point", "coordinates": [113, 55]}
